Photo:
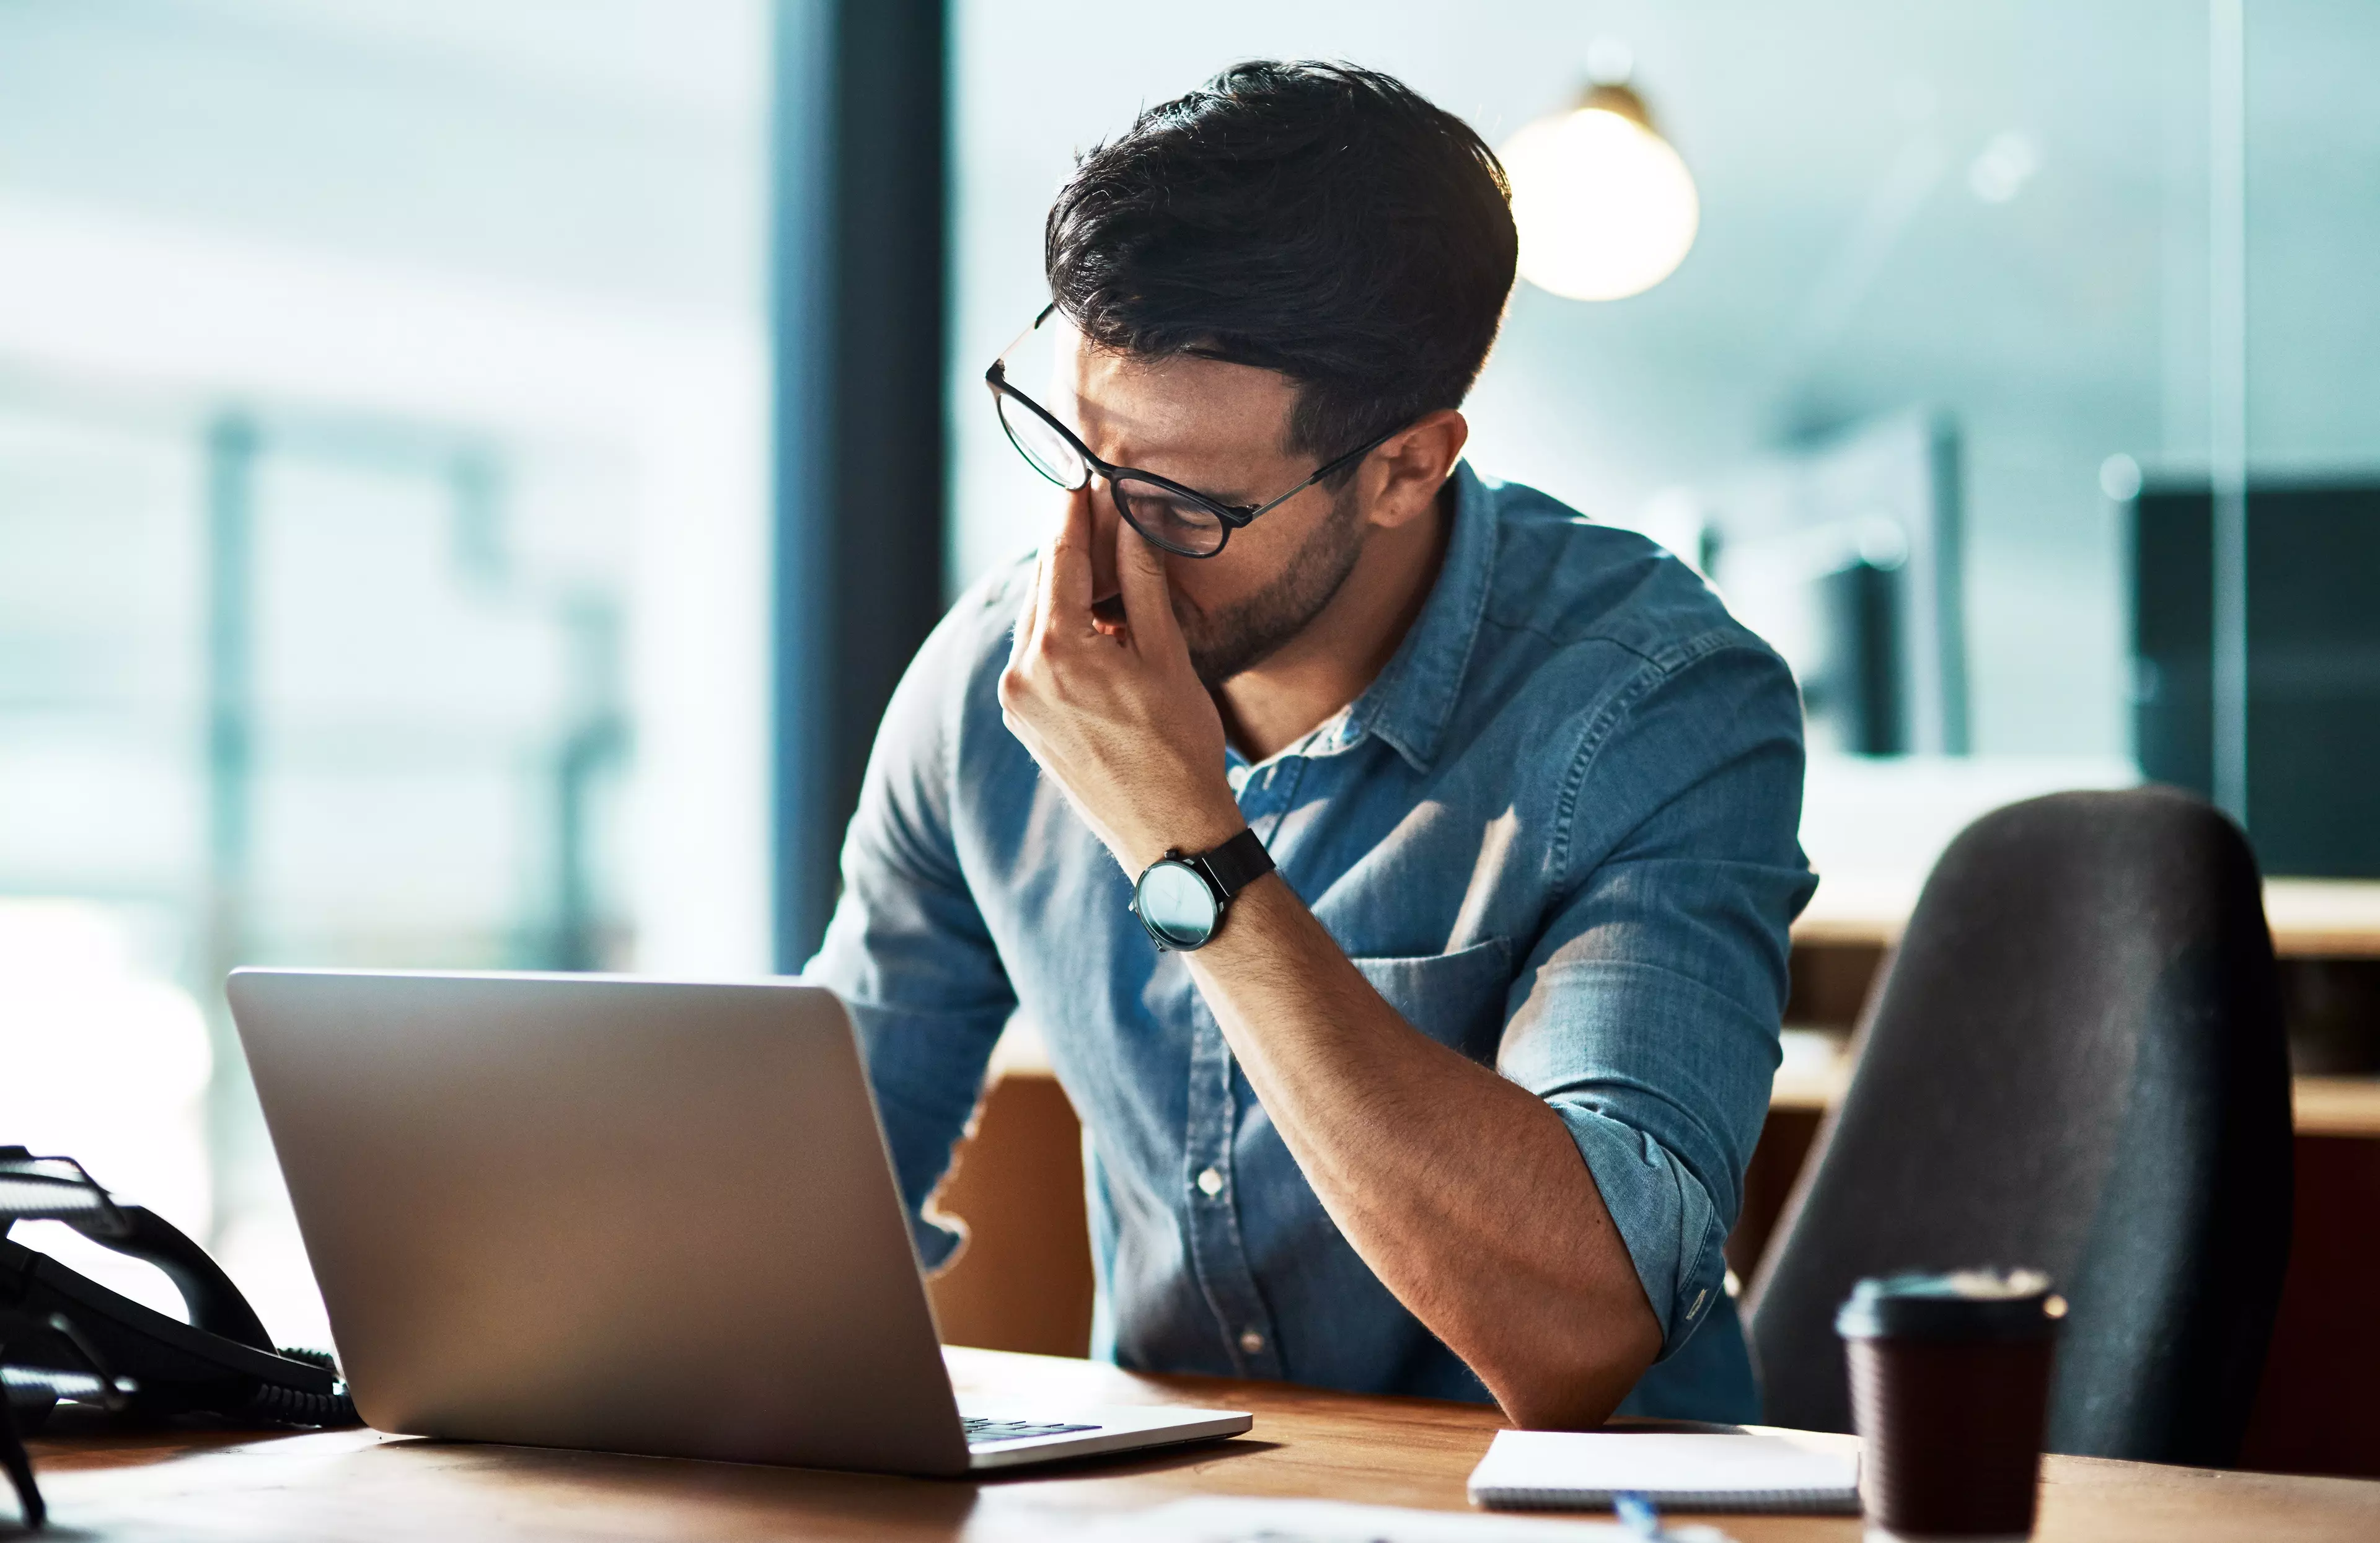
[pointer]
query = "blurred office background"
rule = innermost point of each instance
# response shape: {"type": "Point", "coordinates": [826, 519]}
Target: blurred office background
{"type": "Point", "coordinates": [383, 490]}
{"type": "Point", "coordinates": [405, 558]}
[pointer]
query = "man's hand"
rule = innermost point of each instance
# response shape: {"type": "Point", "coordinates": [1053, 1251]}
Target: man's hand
{"type": "Point", "coordinates": [1115, 713]}
{"type": "Point", "coordinates": [1464, 1192]}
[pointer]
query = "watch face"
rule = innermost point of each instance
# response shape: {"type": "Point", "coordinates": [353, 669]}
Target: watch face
{"type": "Point", "coordinates": [1176, 904]}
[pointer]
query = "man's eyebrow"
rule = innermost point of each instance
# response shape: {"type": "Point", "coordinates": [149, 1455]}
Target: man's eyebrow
{"type": "Point", "coordinates": [1228, 496]}
{"type": "Point", "coordinates": [1225, 492]}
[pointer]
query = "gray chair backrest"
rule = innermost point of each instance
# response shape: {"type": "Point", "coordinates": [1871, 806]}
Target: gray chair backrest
{"type": "Point", "coordinates": [2075, 1061]}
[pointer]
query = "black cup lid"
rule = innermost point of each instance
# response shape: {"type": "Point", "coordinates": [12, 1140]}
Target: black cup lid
{"type": "Point", "coordinates": [1985, 1306]}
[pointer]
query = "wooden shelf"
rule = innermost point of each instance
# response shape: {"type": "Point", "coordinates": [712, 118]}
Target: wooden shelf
{"type": "Point", "coordinates": [1809, 1087]}
{"type": "Point", "coordinates": [2326, 1106]}
{"type": "Point", "coordinates": [2311, 918]}
{"type": "Point", "coordinates": [2339, 1106]}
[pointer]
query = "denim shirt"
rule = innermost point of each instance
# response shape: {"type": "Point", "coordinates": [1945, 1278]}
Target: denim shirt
{"type": "Point", "coordinates": [1557, 833]}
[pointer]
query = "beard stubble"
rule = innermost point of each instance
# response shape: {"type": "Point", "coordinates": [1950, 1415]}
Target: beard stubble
{"type": "Point", "coordinates": [1229, 642]}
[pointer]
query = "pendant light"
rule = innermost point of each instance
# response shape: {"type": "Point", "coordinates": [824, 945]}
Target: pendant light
{"type": "Point", "coordinates": [1605, 207]}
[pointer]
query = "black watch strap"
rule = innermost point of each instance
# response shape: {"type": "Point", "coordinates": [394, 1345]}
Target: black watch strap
{"type": "Point", "coordinates": [1235, 865]}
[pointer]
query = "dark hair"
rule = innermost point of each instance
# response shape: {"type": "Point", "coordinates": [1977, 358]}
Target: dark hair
{"type": "Point", "coordinates": [1315, 219]}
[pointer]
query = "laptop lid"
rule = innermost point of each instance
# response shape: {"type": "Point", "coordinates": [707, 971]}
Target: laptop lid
{"type": "Point", "coordinates": [602, 1212]}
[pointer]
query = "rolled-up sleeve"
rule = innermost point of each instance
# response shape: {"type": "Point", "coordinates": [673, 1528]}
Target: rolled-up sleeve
{"type": "Point", "coordinates": [907, 949]}
{"type": "Point", "coordinates": [1647, 1012]}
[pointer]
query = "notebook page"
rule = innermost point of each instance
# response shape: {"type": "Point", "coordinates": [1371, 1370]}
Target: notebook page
{"type": "Point", "coordinates": [1747, 1471]}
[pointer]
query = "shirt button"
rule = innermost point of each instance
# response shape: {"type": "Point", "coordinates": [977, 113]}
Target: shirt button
{"type": "Point", "coordinates": [1210, 1184]}
{"type": "Point", "coordinates": [1250, 1341]}
{"type": "Point", "coordinates": [1238, 777]}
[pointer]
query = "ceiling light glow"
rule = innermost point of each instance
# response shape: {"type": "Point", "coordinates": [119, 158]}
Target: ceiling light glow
{"type": "Point", "coordinates": [2004, 165]}
{"type": "Point", "coordinates": [1605, 207]}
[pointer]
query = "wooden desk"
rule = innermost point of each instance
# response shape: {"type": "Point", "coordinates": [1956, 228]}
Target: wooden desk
{"type": "Point", "coordinates": [357, 1485]}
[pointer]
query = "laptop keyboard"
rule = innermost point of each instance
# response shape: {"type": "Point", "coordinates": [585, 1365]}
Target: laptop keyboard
{"type": "Point", "coordinates": [982, 1431]}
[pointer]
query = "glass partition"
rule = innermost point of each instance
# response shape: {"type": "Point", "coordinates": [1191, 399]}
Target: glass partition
{"type": "Point", "coordinates": [1947, 311]}
{"type": "Point", "coordinates": [383, 538]}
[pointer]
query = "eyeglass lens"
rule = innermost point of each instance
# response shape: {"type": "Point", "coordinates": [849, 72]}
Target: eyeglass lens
{"type": "Point", "coordinates": [1168, 518]}
{"type": "Point", "coordinates": [1042, 445]}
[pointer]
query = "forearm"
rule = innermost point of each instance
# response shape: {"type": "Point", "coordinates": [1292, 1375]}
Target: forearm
{"type": "Point", "coordinates": [1464, 1192]}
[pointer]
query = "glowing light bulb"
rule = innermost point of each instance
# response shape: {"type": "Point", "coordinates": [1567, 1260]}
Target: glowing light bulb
{"type": "Point", "coordinates": [1605, 207]}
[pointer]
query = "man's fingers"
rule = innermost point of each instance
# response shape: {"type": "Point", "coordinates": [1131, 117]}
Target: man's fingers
{"type": "Point", "coordinates": [1067, 589]}
{"type": "Point", "coordinates": [1148, 597]}
{"type": "Point", "coordinates": [1046, 614]}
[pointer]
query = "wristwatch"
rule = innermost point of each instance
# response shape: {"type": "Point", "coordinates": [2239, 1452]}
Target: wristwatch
{"type": "Point", "coordinates": [1180, 901]}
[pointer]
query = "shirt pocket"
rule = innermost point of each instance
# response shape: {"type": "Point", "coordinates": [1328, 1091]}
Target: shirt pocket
{"type": "Point", "coordinates": [1457, 998]}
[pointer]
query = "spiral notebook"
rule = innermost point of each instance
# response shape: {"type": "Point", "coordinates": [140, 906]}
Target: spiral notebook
{"type": "Point", "coordinates": [1551, 1470]}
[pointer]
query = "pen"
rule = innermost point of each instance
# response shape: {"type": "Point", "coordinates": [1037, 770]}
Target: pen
{"type": "Point", "coordinates": [1636, 1513]}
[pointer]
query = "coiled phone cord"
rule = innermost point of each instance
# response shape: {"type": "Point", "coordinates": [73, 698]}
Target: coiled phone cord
{"type": "Point", "coordinates": [290, 1406]}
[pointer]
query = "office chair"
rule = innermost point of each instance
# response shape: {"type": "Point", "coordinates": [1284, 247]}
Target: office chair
{"type": "Point", "coordinates": [2075, 1061]}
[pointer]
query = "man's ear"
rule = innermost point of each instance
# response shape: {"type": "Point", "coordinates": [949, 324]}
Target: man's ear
{"type": "Point", "coordinates": [1411, 466]}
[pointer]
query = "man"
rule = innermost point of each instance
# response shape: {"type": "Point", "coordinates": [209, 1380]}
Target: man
{"type": "Point", "coordinates": [1459, 834]}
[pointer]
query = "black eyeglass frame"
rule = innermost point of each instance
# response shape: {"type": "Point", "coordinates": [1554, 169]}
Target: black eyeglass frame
{"type": "Point", "coordinates": [1233, 515]}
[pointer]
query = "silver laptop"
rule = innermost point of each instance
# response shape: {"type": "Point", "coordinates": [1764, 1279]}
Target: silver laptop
{"type": "Point", "coordinates": [626, 1215]}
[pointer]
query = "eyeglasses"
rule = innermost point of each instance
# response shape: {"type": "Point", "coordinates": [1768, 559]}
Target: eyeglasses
{"type": "Point", "coordinates": [1179, 519]}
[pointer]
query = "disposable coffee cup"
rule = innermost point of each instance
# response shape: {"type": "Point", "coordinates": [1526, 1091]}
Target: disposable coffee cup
{"type": "Point", "coordinates": [1949, 1393]}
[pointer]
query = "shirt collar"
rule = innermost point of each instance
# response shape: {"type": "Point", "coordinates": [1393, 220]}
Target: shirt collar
{"type": "Point", "coordinates": [1409, 704]}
